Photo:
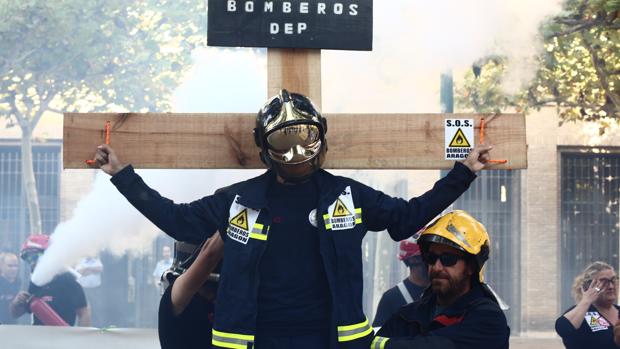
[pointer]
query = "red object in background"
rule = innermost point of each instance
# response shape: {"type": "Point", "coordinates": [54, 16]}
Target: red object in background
{"type": "Point", "coordinates": [36, 243]}
{"type": "Point", "coordinates": [45, 313]}
{"type": "Point", "coordinates": [408, 249]}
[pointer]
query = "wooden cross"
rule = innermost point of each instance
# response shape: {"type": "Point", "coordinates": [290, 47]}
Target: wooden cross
{"type": "Point", "coordinates": [225, 141]}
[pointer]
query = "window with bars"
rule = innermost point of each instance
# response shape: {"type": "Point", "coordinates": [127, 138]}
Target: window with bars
{"type": "Point", "coordinates": [14, 224]}
{"type": "Point", "coordinates": [590, 213]}
{"type": "Point", "coordinates": [494, 199]}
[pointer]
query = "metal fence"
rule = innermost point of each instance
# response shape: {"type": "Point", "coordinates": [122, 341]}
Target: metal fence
{"type": "Point", "coordinates": [495, 200]}
{"type": "Point", "coordinates": [14, 224]}
{"type": "Point", "coordinates": [590, 217]}
{"type": "Point", "coordinates": [382, 269]}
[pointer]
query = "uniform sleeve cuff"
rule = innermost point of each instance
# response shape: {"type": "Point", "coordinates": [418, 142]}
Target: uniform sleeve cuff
{"type": "Point", "coordinates": [123, 177]}
{"type": "Point", "coordinates": [462, 170]}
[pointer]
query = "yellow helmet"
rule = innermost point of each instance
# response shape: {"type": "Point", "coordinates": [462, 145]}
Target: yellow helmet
{"type": "Point", "coordinates": [459, 230]}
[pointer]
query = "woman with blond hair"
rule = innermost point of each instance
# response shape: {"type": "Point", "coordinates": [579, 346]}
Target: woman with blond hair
{"type": "Point", "coordinates": [590, 322]}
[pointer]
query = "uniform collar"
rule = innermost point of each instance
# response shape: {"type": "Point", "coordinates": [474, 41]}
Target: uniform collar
{"type": "Point", "coordinates": [253, 192]}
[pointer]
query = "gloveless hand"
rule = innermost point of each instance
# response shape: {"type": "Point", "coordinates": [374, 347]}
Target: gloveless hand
{"type": "Point", "coordinates": [478, 157]}
{"type": "Point", "coordinates": [107, 160]}
{"type": "Point", "coordinates": [590, 294]}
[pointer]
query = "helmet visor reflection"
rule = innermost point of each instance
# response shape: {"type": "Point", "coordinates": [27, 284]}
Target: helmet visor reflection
{"type": "Point", "coordinates": [285, 138]}
{"type": "Point", "coordinates": [294, 144]}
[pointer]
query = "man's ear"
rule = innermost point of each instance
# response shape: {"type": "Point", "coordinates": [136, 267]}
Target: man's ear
{"type": "Point", "coordinates": [471, 267]}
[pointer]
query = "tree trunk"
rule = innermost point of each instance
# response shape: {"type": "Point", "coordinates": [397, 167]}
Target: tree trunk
{"type": "Point", "coordinates": [29, 183]}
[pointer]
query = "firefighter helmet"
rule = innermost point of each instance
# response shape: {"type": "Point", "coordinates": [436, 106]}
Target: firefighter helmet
{"type": "Point", "coordinates": [34, 246]}
{"type": "Point", "coordinates": [461, 231]}
{"type": "Point", "coordinates": [290, 131]}
{"type": "Point", "coordinates": [408, 248]}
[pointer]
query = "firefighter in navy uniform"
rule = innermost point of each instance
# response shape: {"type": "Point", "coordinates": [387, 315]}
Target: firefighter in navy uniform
{"type": "Point", "coordinates": [292, 269]}
{"type": "Point", "coordinates": [458, 310]}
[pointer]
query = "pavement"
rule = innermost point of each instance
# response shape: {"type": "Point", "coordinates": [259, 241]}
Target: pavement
{"type": "Point", "coordinates": [536, 341]}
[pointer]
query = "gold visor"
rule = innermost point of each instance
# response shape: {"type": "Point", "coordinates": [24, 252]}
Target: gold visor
{"type": "Point", "coordinates": [294, 144]}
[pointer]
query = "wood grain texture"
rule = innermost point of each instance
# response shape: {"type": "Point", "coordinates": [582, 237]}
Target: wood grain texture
{"type": "Point", "coordinates": [356, 141]}
{"type": "Point", "coordinates": [297, 70]}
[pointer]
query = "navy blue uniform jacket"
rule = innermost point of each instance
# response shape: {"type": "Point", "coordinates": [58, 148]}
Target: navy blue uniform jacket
{"type": "Point", "coordinates": [474, 321]}
{"type": "Point", "coordinates": [346, 211]}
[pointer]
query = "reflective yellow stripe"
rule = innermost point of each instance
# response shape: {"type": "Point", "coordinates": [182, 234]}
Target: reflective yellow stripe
{"type": "Point", "coordinates": [257, 232]}
{"type": "Point", "coordinates": [355, 336]}
{"type": "Point", "coordinates": [327, 218]}
{"type": "Point", "coordinates": [228, 345]}
{"type": "Point", "coordinates": [328, 224]}
{"type": "Point", "coordinates": [355, 331]}
{"type": "Point", "coordinates": [246, 337]}
{"type": "Point", "coordinates": [258, 236]}
{"type": "Point", "coordinates": [379, 343]}
{"type": "Point", "coordinates": [231, 340]}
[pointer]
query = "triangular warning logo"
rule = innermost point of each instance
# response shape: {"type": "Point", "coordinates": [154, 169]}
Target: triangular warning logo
{"type": "Point", "coordinates": [594, 321]}
{"type": "Point", "coordinates": [240, 220]}
{"type": "Point", "coordinates": [459, 140]}
{"type": "Point", "coordinates": [340, 210]}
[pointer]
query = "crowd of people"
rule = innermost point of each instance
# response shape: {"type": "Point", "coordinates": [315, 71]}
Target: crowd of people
{"type": "Point", "coordinates": [76, 296]}
{"type": "Point", "coordinates": [270, 296]}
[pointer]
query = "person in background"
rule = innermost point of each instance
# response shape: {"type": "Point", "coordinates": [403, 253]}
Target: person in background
{"type": "Point", "coordinates": [63, 294]}
{"type": "Point", "coordinates": [458, 310]}
{"type": "Point", "coordinates": [408, 290]}
{"type": "Point", "coordinates": [162, 265]}
{"type": "Point", "coordinates": [187, 305]}
{"type": "Point", "coordinates": [90, 269]}
{"type": "Point", "coordinates": [9, 285]}
{"type": "Point", "coordinates": [590, 323]}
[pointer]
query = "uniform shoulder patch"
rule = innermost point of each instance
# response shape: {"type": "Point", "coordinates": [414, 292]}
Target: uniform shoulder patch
{"type": "Point", "coordinates": [342, 213]}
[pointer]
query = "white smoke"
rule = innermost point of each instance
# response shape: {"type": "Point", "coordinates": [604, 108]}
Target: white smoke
{"type": "Point", "coordinates": [222, 80]}
{"type": "Point", "coordinates": [416, 40]}
{"type": "Point", "coordinates": [104, 219]}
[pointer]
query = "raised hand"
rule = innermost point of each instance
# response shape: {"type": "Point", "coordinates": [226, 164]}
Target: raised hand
{"type": "Point", "coordinates": [478, 157]}
{"type": "Point", "coordinates": [107, 161]}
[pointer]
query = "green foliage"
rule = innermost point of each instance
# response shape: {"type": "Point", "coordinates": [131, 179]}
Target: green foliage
{"type": "Point", "coordinates": [101, 55]}
{"type": "Point", "coordinates": [482, 91]}
{"type": "Point", "coordinates": [579, 70]}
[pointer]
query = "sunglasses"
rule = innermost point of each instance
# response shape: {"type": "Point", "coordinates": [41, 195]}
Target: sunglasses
{"type": "Point", "coordinates": [446, 259]}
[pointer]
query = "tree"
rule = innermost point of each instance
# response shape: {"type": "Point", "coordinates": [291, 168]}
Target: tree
{"type": "Point", "coordinates": [86, 56]}
{"type": "Point", "coordinates": [579, 70]}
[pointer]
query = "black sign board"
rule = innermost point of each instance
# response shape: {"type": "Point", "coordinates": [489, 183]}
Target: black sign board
{"type": "Point", "coordinates": [328, 24]}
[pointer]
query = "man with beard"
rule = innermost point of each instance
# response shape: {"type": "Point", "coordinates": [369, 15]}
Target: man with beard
{"type": "Point", "coordinates": [458, 311]}
{"type": "Point", "coordinates": [408, 290]}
